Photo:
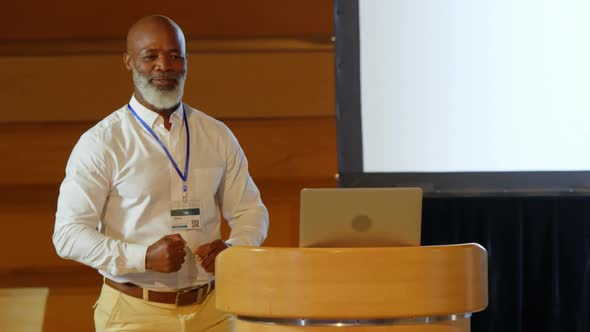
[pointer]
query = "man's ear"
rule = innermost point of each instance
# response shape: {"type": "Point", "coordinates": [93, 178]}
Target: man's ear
{"type": "Point", "coordinates": [127, 60]}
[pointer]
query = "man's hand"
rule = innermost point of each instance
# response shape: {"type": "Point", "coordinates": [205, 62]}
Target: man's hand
{"type": "Point", "coordinates": [206, 254]}
{"type": "Point", "coordinates": [166, 255]}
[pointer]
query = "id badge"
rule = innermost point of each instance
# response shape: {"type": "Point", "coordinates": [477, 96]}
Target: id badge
{"type": "Point", "coordinates": [185, 215]}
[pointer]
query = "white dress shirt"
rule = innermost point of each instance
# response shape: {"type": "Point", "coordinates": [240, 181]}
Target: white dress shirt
{"type": "Point", "coordinates": [115, 199]}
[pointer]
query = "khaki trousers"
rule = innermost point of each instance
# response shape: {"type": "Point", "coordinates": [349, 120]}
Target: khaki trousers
{"type": "Point", "coordinates": [115, 311]}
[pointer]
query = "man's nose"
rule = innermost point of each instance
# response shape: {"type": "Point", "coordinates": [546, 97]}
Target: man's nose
{"type": "Point", "coordinates": [164, 63]}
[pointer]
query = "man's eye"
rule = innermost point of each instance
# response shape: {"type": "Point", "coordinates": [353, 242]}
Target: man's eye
{"type": "Point", "coordinates": [150, 57]}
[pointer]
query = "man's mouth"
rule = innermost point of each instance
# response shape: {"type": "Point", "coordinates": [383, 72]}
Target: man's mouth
{"type": "Point", "coordinates": [164, 82]}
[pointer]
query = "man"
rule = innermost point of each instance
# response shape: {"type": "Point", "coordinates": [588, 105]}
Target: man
{"type": "Point", "coordinates": [141, 197]}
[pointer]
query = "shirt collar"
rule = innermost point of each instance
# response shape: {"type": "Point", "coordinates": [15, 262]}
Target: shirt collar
{"type": "Point", "coordinates": [149, 116]}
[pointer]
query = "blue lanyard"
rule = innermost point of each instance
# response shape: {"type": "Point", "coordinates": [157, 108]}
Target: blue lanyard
{"type": "Point", "coordinates": [188, 148]}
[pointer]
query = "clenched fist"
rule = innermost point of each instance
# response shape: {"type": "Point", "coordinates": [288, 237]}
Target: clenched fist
{"type": "Point", "coordinates": [208, 252]}
{"type": "Point", "coordinates": [166, 254]}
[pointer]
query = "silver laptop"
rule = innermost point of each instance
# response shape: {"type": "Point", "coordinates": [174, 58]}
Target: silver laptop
{"type": "Point", "coordinates": [360, 217]}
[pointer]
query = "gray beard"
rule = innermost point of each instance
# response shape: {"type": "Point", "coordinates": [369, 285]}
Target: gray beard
{"type": "Point", "coordinates": [161, 99]}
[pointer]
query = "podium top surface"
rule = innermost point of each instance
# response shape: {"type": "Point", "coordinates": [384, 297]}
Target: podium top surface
{"type": "Point", "coordinates": [352, 283]}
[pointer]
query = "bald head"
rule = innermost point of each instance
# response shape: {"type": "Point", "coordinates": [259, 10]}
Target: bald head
{"type": "Point", "coordinates": [156, 56]}
{"type": "Point", "coordinates": [153, 27]}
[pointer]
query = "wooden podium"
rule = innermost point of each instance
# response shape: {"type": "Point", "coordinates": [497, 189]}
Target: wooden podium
{"type": "Point", "coordinates": [414, 289]}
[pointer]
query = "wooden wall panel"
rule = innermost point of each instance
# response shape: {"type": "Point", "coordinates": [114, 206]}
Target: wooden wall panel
{"type": "Point", "coordinates": [109, 19]}
{"type": "Point", "coordinates": [236, 84]}
{"type": "Point", "coordinates": [276, 148]}
{"type": "Point", "coordinates": [28, 48]}
{"type": "Point", "coordinates": [290, 148]}
{"type": "Point", "coordinates": [39, 152]}
{"type": "Point", "coordinates": [28, 214]}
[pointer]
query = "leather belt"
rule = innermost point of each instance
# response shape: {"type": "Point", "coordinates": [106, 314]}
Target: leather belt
{"type": "Point", "coordinates": [188, 296]}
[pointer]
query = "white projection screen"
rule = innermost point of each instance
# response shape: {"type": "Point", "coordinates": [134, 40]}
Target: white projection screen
{"type": "Point", "coordinates": [464, 97]}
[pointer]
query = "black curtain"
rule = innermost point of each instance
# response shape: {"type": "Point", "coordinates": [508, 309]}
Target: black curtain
{"type": "Point", "coordinates": [538, 257]}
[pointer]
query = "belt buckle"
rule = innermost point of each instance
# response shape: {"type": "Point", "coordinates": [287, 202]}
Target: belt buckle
{"type": "Point", "coordinates": [182, 292]}
{"type": "Point", "coordinates": [202, 292]}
